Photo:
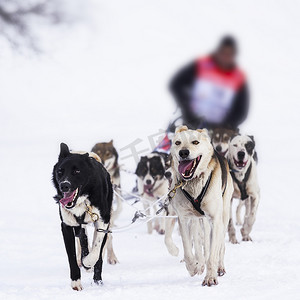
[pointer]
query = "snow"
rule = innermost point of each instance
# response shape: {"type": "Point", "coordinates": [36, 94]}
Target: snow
{"type": "Point", "coordinates": [107, 79]}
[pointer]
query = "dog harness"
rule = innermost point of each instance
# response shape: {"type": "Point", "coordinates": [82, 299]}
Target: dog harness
{"type": "Point", "coordinates": [197, 202]}
{"type": "Point", "coordinates": [242, 184]}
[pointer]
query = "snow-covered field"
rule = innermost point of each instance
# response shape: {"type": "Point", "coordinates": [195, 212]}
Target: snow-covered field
{"type": "Point", "coordinates": [107, 79]}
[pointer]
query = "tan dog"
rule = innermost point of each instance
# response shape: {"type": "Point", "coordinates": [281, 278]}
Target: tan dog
{"type": "Point", "coordinates": [205, 196]}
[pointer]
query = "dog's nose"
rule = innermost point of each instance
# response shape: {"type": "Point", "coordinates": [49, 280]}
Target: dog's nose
{"type": "Point", "coordinates": [219, 148]}
{"type": "Point", "coordinates": [184, 153]}
{"type": "Point", "coordinates": [241, 155]}
{"type": "Point", "coordinates": [65, 187]}
{"type": "Point", "coordinates": [148, 181]}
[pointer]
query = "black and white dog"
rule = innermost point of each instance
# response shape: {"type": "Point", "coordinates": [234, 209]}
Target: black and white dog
{"type": "Point", "coordinates": [84, 194]}
{"type": "Point", "coordinates": [152, 183]}
{"type": "Point", "coordinates": [242, 159]}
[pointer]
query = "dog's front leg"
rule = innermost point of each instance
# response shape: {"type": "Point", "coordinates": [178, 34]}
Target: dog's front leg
{"type": "Point", "coordinates": [206, 244]}
{"type": "Point", "coordinates": [198, 237]}
{"type": "Point", "coordinates": [251, 209]}
{"type": "Point", "coordinates": [217, 234]}
{"type": "Point", "coordinates": [83, 247]}
{"type": "Point", "coordinates": [238, 213]}
{"type": "Point", "coordinates": [111, 256]}
{"type": "Point", "coordinates": [231, 229]}
{"type": "Point", "coordinates": [90, 260]}
{"type": "Point", "coordinates": [69, 239]}
{"type": "Point", "coordinates": [162, 223]}
{"type": "Point", "coordinates": [170, 223]}
{"type": "Point", "coordinates": [190, 261]}
{"type": "Point", "coordinates": [98, 266]}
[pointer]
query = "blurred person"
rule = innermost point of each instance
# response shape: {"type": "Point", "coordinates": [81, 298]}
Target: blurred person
{"type": "Point", "coordinates": [212, 91]}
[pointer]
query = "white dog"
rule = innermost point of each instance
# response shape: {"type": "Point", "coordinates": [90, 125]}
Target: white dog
{"type": "Point", "coordinates": [204, 196]}
{"type": "Point", "coordinates": [242, 159]}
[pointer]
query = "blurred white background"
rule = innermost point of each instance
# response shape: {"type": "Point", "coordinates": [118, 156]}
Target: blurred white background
{"type": "Point", "coordinates": [105, 77]}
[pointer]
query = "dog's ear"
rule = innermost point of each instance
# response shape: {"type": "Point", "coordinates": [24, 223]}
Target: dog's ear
{"type": "Point", "coordinates": [64, 151]}
{"type": "Point", "coordinates": [210, 133]}
{"type": "Point", "coordinates": [139, 166]}
{"type": "Point", "coordinates": [181, 128]}
{"type": "Point", "coordinates": [86, 155]}
{"type": "Point", "coordinates": [204, 131]}
{"type": "Point", "coordinates": [252, 138]}
{"type": "Point", "coordinates": [250, 145]}
{"type": "Point", "coordinates": [111, 142]}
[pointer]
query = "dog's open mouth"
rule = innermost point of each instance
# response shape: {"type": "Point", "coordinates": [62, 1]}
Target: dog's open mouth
{"type": "Point", "coordinates": [239, 163]}
{"type": "Point", "coordinates": [69, 199]}
{"type": "Point", "coordinates": [148, 189]}
{"type": "Point", "coordinates": [223, 153]}
{"type": "Point", "coordinates": [187, 168]}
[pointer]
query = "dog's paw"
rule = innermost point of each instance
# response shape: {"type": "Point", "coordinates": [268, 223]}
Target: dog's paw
{"type": "Point", "coordinates": [76, 285]}
{"type": "Point", "coordinates": [89, 261]}
{"type": "Point", "coordinates": [221, 271]}
{"type": "Point", "coordinates": [247, 238]}
{"type": "Point", "coordinates": [112, 260]}
{"type": "Point", "coordinates": [98, 282]}
{"type": "Point", "coordinates": [192, 268]}
{"type": "Point", "coordinates": [210, 280]}
{"type": "Point", "coordinates": [200, 268]}
{"type": "Point", "coordinates": [233, 240]}
{"type": "Point", "coordinates": [161, 231]}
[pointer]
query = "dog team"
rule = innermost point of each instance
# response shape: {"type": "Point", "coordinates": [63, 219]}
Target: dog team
{"type": "Point", "coordinates": [199, 180]}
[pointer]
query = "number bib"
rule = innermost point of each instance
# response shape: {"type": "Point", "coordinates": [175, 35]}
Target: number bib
{"type": "Point", "coordinates": [211, 101]}
{"type": "Point", "coordinates": [214, 91]}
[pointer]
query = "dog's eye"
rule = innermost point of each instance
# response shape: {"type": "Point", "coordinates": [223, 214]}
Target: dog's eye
{"type": "Point", "coordinates": [76, 172]}
{"type": "Point", "coordinates": [195, 142]}
{"type": "Point", "coordinates": [177, 143]}
{"type": "Point", "coordinates": [59, 172]}
{"type": "Point", "coordinates": [235, 145]}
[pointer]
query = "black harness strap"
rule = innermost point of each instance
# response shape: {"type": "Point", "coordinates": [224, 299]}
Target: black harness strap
{"type": "Point", "coordinates": [197, 202]}
{"type": "Point", "coordinates": [222, 163]}
{"type": "Point", "coordinates": [242, 184]}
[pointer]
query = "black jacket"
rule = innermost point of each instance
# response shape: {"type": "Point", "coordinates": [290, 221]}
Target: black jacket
{"type": "Point", "coordinates": [181, 87]}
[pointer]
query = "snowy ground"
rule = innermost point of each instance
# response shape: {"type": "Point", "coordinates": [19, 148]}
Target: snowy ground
{"type": "Point", "coordinates": [107, 80]}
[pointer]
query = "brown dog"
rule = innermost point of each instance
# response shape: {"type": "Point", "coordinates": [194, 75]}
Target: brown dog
{"type": "Point", "coordinates": [109, 158]}
{"type": "Point", "coordinates": [220, 139]}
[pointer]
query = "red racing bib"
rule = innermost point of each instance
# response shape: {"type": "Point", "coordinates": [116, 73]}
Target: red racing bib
{"type": "Point", "coordinates": [214, 90]}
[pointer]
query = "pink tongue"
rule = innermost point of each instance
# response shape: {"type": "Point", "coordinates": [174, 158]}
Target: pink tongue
{"type": "Point", "coordinates": [185, 165]}
{"type": "Point", "coordinates": [68, 197]}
